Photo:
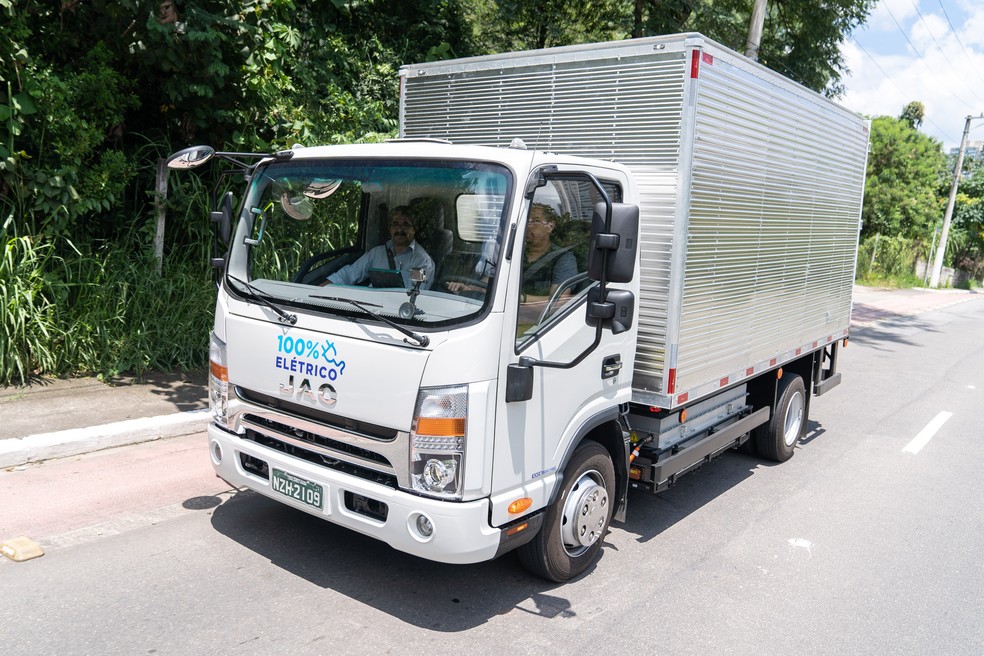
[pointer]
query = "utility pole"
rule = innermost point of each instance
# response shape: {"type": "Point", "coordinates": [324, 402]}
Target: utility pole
{"type": "Point", "coordinates": [755, 30]}
{"type": "Point", "coordinates": [934, 281]}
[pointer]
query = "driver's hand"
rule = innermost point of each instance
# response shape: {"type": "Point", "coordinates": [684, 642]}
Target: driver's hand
{"type": "Point", "coordinates": [456, 287]}
{"type": "Point", "coordinates": [326, 282]}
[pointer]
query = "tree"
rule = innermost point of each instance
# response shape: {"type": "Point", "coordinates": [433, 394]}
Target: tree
{"type": "Point", "coordinates": [504, 25]}
{"type": "Point", "coordinates": [965, 245]}
{"type": "Point", "coordinates": [913, 114]}
{"type": "Point", "coordinates": [905, 168]}
{"type": "Point", "coordinates": [800, 39]}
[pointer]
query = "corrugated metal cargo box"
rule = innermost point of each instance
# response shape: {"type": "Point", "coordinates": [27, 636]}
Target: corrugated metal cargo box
{"type": "Point", "coordinates": [751, 189]}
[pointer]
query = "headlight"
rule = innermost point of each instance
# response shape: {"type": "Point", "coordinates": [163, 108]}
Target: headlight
{"type": "Point", "coordinates": [218, 382]}
{"type": "Point", "coordinates": [437, 441]}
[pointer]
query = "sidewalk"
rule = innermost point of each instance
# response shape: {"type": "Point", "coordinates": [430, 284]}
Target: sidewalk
{"type": "Point", "coordinates": [59, 418]}
{"type": "Point", "coordinates": [56, 418]}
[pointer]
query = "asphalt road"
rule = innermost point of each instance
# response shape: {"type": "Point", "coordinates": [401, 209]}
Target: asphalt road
{"type": "Point", "coordinates": [868, 541]}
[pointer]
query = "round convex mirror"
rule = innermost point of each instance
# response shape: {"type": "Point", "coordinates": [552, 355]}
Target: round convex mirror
{"type": "Point", "coordinates": [189, 158]}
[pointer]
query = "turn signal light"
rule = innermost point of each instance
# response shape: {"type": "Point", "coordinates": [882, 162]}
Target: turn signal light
{"type": "Point", "coordinates": [219, 371]}
{"type": "Point", "coordinates": [779, 373]}
{"type": "Point", "coordinates": [520, 505]}
{"type": "Point", "coordinates": [441, 426]}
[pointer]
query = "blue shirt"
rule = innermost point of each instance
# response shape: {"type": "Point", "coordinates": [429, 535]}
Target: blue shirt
{"type": "Point", "coordinates": [414, 257]}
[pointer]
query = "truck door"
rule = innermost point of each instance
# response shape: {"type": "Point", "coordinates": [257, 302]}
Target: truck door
{"type": "Point", "coordinates": [548, 289]}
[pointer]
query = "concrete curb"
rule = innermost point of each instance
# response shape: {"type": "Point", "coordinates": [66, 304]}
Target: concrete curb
{"type": "Point", "coordinates": [45, 446]}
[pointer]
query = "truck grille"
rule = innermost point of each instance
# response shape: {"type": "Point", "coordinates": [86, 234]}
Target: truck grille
{"type": "Point", "coordinates": [318, 440]}
{"type": "Point", "coordinates": [323, 459]}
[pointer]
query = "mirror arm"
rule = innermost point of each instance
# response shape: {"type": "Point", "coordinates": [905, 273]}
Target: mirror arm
{"type": "Point", "coordinates": [527, 361]}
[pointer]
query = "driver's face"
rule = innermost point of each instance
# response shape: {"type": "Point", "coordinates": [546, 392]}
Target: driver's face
{"type": "Point", "coordinates": [401, 230]}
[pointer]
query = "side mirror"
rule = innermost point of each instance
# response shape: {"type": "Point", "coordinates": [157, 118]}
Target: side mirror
{"type": "Point", "coordinates": [519, 383]}
{"type": "Point", "coordinates": [189, 158]}
{"type": "Point", "coordinates": [619, 241]}
{"type": "Point", "coordinates": [615, 311]}
{"type": "Point", "coordinates": [223, 217]}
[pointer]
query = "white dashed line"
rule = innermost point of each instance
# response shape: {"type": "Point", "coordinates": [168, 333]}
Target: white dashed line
{"type": "Point", "coordinates": [926, 434]}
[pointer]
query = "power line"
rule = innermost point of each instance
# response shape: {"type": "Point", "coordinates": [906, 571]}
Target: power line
{"type": "Point", "coordinates": [918, 54]}
{"type": "Point", "coordinates": [956, 36]}
{"type": "Point", "coordinates": [902, 93]}
{"type": "Point", "coordinates": [942, 51]}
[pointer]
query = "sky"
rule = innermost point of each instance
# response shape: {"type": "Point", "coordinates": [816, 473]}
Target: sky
{"type": "Point", "coordinates": [931, 51]}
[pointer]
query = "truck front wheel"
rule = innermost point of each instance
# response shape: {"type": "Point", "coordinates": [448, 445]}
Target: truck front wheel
{"type": "Point", "coordinates": [575, 525]}
{"type": "Point", "coordinates": [785, 428]}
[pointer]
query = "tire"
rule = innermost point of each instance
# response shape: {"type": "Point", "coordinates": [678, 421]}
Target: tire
{"type": "Point", "coordinates": [787, 423]}
{"type": "Point", "coordinates": [575, 525]}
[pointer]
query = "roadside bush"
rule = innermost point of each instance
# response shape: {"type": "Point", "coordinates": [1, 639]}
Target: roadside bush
{"type": "Point", "coordinates": [102, 311]}
{"type": "Point", "coordinates": [889, 261]}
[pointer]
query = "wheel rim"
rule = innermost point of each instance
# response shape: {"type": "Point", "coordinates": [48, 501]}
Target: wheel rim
{"type": "Point", "coordinates": [585, 513]}
{"type": "Point", "coordinates": [794, 419]}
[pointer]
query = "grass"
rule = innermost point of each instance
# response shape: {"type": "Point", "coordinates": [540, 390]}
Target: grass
{"type": "Point", "coordinates": [100, 311]}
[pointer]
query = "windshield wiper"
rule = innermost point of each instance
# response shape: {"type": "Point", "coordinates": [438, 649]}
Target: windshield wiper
{"type": "Point", "coordinates": [422, 340]}
{"type": "Point", "coordinates": [255, 294]}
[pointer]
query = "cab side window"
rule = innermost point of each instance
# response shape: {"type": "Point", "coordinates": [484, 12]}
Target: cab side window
{"type": "Point", "coordinates": [555, 252]}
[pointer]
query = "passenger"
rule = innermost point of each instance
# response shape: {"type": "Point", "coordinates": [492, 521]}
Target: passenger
{"type": "Point", "coordinates": [400, 253]}
{"type": "Point", "coordinates": [545, 266]}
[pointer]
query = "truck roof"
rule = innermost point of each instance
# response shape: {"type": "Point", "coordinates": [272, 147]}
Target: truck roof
{"type": "Point", "coordinates": [517, 158]}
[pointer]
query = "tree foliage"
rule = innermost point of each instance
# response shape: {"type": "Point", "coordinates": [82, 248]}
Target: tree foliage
{"type": "Point", "coordinates": [965, 244]}
{"type": "Point", "coordinates": [800, 38]}
{"type": "Point", "coordinates": [905, 167]}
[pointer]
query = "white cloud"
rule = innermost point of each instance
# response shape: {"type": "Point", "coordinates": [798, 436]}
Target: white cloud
{"type": "Point", "coordinates": [948, 78]}
{"type": "Point", "coordinates": [882, 15]}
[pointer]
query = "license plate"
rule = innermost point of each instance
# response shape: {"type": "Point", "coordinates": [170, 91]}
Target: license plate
{"type": "Point", "coordinates": [297, 488]}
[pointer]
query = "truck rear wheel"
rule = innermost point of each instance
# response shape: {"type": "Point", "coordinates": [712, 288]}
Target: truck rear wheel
{"type": "Point", "coordinates": [785, 428]}
{"type": "Point", "coordinates": [575, 525]}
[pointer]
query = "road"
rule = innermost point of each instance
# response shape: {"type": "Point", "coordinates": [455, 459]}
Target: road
{"type": "Point", "coordinates": [868, 541]}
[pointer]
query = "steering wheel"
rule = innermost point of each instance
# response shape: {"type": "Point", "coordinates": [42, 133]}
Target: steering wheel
{"type": "Point", "coordinates": [475, 288]}
{"type": "Point", "coordinates": [309, 264]}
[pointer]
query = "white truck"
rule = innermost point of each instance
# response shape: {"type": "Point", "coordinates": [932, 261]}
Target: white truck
{"type": "Point", "coordinates": [577, 270]}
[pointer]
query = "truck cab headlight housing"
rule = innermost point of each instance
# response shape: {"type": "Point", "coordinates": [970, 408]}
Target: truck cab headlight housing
{"type": "Point", "coordinates": [218, 382]}
{"type": "Point", "coordinates": [437, 441]}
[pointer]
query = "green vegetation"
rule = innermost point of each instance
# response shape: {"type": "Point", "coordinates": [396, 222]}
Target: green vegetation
{"type": "Point", "coordinates": [94, 94]}
{"type": "Point", "coordinates": [908, 183]}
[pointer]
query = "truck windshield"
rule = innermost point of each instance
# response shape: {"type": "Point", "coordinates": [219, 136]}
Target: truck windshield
{"type": "Point", "coordinates": [416, 240]}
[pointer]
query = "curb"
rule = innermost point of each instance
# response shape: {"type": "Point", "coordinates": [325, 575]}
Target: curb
{"type": "Point", "coordinates": [45, 446]}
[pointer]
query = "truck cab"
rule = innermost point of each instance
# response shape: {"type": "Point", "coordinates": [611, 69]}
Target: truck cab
{"type": "Point", "coordinates": [430, 400]}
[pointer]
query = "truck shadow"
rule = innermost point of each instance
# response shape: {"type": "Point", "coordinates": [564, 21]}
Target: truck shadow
{"type": "Point", "coordinates": [650, 515]}
{"type": "Point", "coordinates": [453, 598]}
{"type": "Point", "coordinates": [891, 329]}
{"type": "Point", "coordinates": [435, 596]}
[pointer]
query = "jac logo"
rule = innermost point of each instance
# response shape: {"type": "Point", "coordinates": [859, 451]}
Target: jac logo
{"type": "Point", "coordinates": [325, 394]}
{"type": "Point", "coordinates": [309, 359]}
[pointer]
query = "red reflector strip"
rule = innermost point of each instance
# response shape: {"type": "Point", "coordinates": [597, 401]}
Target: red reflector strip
{"type": "Point", "coordinates": [683, 397]}
{"type": "Point", "coordinates": [723, 381]}
{"type": "Point", "coordinates": [772, 362]}
{"type": "Point", "coordinates": [695, 64]}
{"type": "Point", "coordinates": [671, 383]}
{"type": "Point", "coordinates": [749, 371]}
{"type": "Point", "coordinates": [707, 58]}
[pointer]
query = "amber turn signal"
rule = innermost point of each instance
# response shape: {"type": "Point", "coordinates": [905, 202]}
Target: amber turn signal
{"type": "Point", "coordinates": [520, 505]}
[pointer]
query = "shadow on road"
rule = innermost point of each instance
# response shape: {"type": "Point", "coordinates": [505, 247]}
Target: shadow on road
{"type": "Point", "coordinates": [430, 595]}
{"type": "Point", "coordinates": [450, 598]}
{"type": "Point", "coordinates": [891, 330]}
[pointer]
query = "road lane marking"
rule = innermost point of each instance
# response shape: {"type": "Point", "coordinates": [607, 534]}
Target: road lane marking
{"type": "Point", "coordinates": [926, 434]}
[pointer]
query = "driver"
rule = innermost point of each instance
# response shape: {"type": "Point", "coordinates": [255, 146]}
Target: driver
{"type": "Point", "coordinates": [399, 253]}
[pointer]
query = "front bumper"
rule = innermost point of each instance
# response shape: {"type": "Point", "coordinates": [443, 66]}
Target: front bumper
{"type": "Point", "coordinates": [461, 531]}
